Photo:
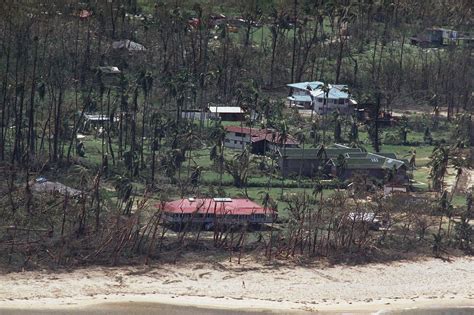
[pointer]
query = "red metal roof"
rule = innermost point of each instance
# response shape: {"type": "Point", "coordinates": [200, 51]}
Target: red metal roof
{"type": "Point", "coordinates": [84, 14]}
{"type": "Point", "coordinates": [245, 130]}
{"type": "Point", "coordinates": [261, 134]}
{"type": "Point", "coordinates": [233, 207]}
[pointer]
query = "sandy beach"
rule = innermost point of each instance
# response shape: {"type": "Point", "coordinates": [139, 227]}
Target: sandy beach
{"type": "Point", "coordinates": [283, 288]}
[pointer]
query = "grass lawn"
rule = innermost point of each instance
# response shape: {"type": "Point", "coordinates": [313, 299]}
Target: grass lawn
{"type": "Point", "coordinates": [259, 180]}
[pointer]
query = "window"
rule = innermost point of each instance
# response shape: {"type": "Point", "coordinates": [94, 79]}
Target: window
{"type": "Point", "coordinates": [235, 141]}
{"type": "Point", "coordinates": [320, 100]}
{"type": "Point", "coordinates": [342, 101]}
{"type": "Point", "coordinates": [227, 140]}
{"type": "Point", "coordinates": [241, 135]}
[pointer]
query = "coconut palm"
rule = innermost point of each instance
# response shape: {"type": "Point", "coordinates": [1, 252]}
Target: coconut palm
{"type": "Point", "coordinates": [337, 127]}
{"type": "Point", "coordinates": [217, 150]}
{"type": "Point", "coordinates": [340, 165]}
{"type": "Point", "coordinates": [301, 137]}
{"type": "Point", "coordinates": [283, 137]}
{"type": "Point", "coordinates": [314, 131]}
{"type": "Point", "coordinates": [354, 133]}
{"type": "Point", "coordinates": [439, 166]}
{"type": "Point", "coordinates": [325, 88]}
{"type": "Point", "coordinates": [239, 167]}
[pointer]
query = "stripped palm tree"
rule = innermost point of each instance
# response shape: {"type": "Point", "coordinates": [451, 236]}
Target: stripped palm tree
{"type": "Point", "coordinates": [321, 157]}
{"type": "Point", "coordinates": [301, 137]}
{"type": "Point", "coordinates": [282, 139]}
{"type": "Point", "coordinates": [325, 88]}
{"type": "Point", "coordinates": [439, 166]}
{"type": "Point", "coordinates": [217, 150]}
{"type": "Point", "coordinates": [354, 133]}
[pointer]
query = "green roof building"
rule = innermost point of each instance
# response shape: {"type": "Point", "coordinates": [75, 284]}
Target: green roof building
{"type": "Point", "coordinates": [342, 162]}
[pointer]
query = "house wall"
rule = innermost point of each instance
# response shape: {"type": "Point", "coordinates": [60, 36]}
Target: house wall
{"type": "Point", "coordinates": [236, 140]}
{"type": "Point", "coordinates": [275, 146]}
{"type": "Point", "coordinates": [300, 92]}
{"type": "Point", "coordinates": [371, 173]}
{"type": "Point", "coordinates": [292, 167]}
{"type": "Point", "coordinates": [380, 174]}
{"type": "Point", "coordinates": [333, 104]}
{"type": "Point", "coordinates": [297, 92]}
{"type": "Point", "coordinates": [231, 117]}
{"type": "Point", "coordinates": [200, 218]}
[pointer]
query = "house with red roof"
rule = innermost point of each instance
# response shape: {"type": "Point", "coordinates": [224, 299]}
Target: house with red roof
{"type": "Point", "coordinates": [211, 212]}
{"type": "Point", "coordinates": [260, 140]}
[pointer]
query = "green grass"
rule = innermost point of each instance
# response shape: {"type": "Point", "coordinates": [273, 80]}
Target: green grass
{"type": "Point", "coordinates": [258, 180]}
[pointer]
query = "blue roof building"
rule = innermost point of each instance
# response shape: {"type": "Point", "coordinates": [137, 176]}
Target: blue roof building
{"type": "Point", "coordinates": [311, 95]}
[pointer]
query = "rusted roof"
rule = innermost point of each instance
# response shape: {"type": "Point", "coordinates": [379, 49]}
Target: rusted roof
{"type": "Point", "coordinates": [262, 134]}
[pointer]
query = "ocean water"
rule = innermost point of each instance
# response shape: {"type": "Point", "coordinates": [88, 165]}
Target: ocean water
{"type": "Point", "coordinates": [435, 311]}
{"type": "Point", "coordinates": [138, 308]}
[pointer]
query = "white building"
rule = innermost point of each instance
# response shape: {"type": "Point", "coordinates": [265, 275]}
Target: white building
{"type": "Point", "coordinates": [311, 95]}
{"type": "Point", "coordinates": [260, 140]}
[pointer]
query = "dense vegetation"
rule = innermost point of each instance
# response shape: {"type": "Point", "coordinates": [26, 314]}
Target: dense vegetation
{"type": "Point", "coordinates": [55, 59]}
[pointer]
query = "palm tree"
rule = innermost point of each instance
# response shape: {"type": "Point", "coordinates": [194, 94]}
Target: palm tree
{"type": "Point", "coordinates": [325, 88]}
{"type": "Point", "coordinates": [283, 137]}
{"type": "Point", "coordinates": [317, 190]}
{"type": "Point", "coordinates": [354, 133]}
{"type": "Point", "coordinates": [412, 161]}
{"type": "Point", "coordinates": [439, 166]}
{"type": "Point", "coordinates": [301, 137]}
{"type": "Point", "coordinates": [443, 208]}
{"type": "Point", "coordinates": [340, 165]}
{"type": "Point", "coordinates": [314, 131]}
{"type": "Point", "coordinates": [337, 127]}
{"type": "Point", "coordinates": [239, 168]}
{"type": "Point", "coordinates": [85, 178]}
{"type": "Point", "coordinates": [217, 150]}
{"type": "Point", "coordinates": [404, 135]}
{"type": "Point", "coordinates": [321, 157]}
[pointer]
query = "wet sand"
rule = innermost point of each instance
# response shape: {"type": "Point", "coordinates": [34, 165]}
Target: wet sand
{"type": "Point", "coordinates": [139, 308]}
{"type": "Point", "coordinates": [132, 308]}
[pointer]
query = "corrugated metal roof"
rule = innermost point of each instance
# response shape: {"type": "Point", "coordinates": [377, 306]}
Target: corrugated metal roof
{"type": "Point", "coordinates": [204, 206]}
{"type": "Point", "coordinates": [242, 129]}
{"type": "Point", "coordinates": [311, 154]}
{"type": "Point", "coordinates": [52, 187]}
{"type": "Point", "coordinates": [261, 134]}
{"type": "Point", "coordinates": [388, 155]}
{"type": "Point", "coordinates": [335, 90]}
{"type": "Point", "coordinates": [333, 93]}
{"type": "Point", "coordinates": [372, 161]}
{"type": "Point", "coordinates": [300, 98]}
{"type": "Point", "coordinates": [304, 85]}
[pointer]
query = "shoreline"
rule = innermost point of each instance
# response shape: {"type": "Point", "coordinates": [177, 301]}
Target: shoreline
{"type": "Point", "coordinates": [372, 288]}
{"type": "Point", "coordinates": [244, 305]}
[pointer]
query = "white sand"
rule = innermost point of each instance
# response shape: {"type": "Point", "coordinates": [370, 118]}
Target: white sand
{"type": "Point", "coordinates": [427, 283]}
